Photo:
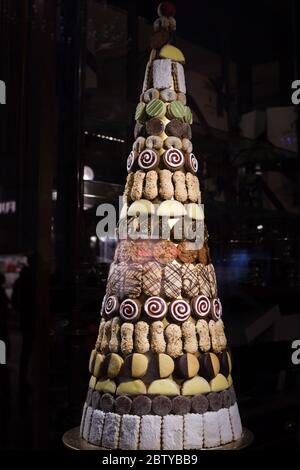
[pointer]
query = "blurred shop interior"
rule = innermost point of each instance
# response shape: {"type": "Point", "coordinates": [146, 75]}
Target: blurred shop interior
{"type": "Point", "coordinates": [73, 72]}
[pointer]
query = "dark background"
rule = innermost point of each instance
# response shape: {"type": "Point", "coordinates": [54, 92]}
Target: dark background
{"type": "Point", "coordinates": [73, 72]}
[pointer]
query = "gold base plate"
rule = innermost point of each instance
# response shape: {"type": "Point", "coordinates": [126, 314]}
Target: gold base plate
{"type": "Point", "coordinates": [72, 440]}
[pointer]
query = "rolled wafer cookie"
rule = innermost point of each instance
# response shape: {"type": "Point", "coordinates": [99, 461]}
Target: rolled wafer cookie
{"type": "Point", "coordinates": [110, 436]}
{"type": "Point", "coordinates": [172, 432]}
{"type": "Point", "coordinates": [178, 77]}
{"type": "Point", "coordinates": [150, 432]}
{"type": "Point", "coordinates": [97, 427]}
{"type": "Point", "coordinates": [147, 78]}
{"type": "Point", "coordinates": [203, 334]}
{"type": "Point", "coordinates": [162, 73]}
{"type": "Point", "coordinates": [212, 436]}
{"type": "Point", "coordinates": [224, 426]}
{"type": "Point", "coordinates": [193, 431]}
{"type": "Point", "coordinates": [235, 421]}
{"type": "Point", "coordinates": [129, 432]}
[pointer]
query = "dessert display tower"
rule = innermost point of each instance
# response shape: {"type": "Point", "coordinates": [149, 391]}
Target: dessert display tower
{"type": "Point", "coordinates": [161, 369]}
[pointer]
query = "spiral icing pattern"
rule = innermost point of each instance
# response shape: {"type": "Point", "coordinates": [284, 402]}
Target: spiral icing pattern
{"type": "Point", "coordinates": [179, 310]}
{"type": "Point", "coordinates": [111, 306]}
{"type": "Point", "coordinates": [173, 159]}
{"type": "Point", "coordinates": [216, 310]}
{"type": "Point", "coordinates": [130, 161]}
{"type": "Point", "coordinates": [192, 163]}
{"type": "Point", "coordinates": [201, 306]}
{"type": "Point", "coordinates": [130, 310]}
{"type": "Point", "coordinates": [155, 307]}
{"type": "Point", "coordinates": [148, 159]}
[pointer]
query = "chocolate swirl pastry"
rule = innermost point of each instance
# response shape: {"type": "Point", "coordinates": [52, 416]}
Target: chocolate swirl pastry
{"type": "Point", "coordinates": [191, 163]}
{"type": "Point", "coordinates": [179, 310]}
{"type": "Point", "coordinates": [148, 160]}
{"type": "Point", "coordinates": [130, 310]}
{"type": "Point", "coordinates": [111, 306]}
{"type": "Point", "coordinates": [216, 309]}
{"type": "Point", "coordinates": [155, 308]}
{"type": "Point", "coordinates": [173, 159]}
{"type": "Point", "coordinates": [130, 161]}
{"type": "Point", "coordinates": [201, 306]}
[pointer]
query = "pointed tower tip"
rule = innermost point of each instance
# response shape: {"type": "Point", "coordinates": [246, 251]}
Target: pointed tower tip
{"type": "Point", "coordinates": [165, 22]}
{"type": "Point", "coordinates": [166, 9]}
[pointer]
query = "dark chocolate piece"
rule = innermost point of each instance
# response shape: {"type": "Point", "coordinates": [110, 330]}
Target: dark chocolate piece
{"type": "Point", "coordinates": [107, 402]}
{"type": "Point", "coordinates": [95, 400]}
{"type": "Point", "coordinates": [161, 405]}
{"type": "Point", "coordinates": [155, 126]}
{"type": "Point", "coordinates": [123, 405]}
{"type": "Point", "coordinates": [175, 128]}
{"type": "Point", "coordinates": [226, 398]}
{"type": "Point", "coordinates": [199, 404]}
{"type": "Point", "coordinates": [215, 401]}
{"type": "Point", "coordinates": [181, 405]}
{"type": "Point", "coordinates": [141, 405]}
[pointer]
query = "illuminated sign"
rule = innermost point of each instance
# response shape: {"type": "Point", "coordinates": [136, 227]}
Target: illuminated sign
{"type": "Point", "coordinates": [8, 207]}
{"type": "Point", "coordinates": [2, 92]}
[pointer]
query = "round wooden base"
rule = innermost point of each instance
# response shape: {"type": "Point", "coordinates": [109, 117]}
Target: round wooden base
{"type": "Point", "coordinates": [72, 440]}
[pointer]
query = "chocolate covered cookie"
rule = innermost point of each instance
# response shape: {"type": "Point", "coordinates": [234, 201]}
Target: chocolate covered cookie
{"type": "Point", "coordinates": [141, 405]}
{"type": "Point", "coordinates": [107, 403]}
{"type": "Point", "coordinates": [123, 405]}
{"type": "Point", "coordinates": [181, 405]}
{"type": "Point", "coordinates": [199, 404]}
{"type": "Point", "coordinates": [155, 126]}
{"type": "Point", "coordinates": [161, 405]}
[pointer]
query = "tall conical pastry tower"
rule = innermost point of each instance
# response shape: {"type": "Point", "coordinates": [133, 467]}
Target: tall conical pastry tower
{"type": "Point", "coordinates": [161, 370]}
